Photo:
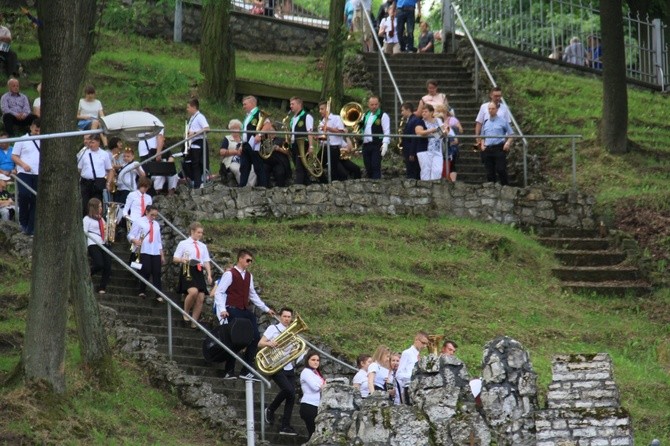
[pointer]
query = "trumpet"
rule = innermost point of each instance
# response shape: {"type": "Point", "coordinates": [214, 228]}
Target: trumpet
{"type": "Point", "coordinates": [186, 267]}
{"type": "Point", "coordinates": [401, 127]}
{"type": "Point", "coordinates": [187, 142]}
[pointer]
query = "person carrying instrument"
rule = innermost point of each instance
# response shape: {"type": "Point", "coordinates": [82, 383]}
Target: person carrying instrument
{"type": "Point", "coordinates": [251, 142]}
{"type": "Point", "coordinates": [332, 123]}
{"type": "Point", "coordinates": [94, 225]}
{"type": "Point", "coordinates": [234, 295]}
{"type": "Point", "coordinates": [197, 125]}
{"type": "Point", "coordinates": [193, 255]}
{"type": "Point", "coordinates": [285, 378]}
{"type": "Point", "coordinates": [300, 122]}
{"type": "Point", "coordinates": [145, 235]}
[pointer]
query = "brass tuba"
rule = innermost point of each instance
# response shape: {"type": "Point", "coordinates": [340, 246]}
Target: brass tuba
{"type": "Point", "coordinates": [110, 229]}
{"type": "Point", "coordinates": [352, 115]}
{"type": "Point", "coordinates": [266, 140]}
{"type": "Point", "coordinates": [270, 360]}
{"type": "Point", "coordinates": [313, 164]}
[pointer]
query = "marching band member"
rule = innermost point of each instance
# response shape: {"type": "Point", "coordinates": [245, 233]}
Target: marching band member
{"type": "Point", "coordinates": [145, 235]}
{"type": "Point", "coordinates": [94, 225]}
{"type": "Point", "coordinates": [193, 255]}
{"type": "Point", "coordinates": [252, 143]}
{"type": "Point", "coordinates": [197, 125]}
{"type": "Point", "coordinates": [138, 200]}
{"type": "Point", "coordinates": [360, 380]}
{"type": "Point", "coordinates": [332, 123]}
{"type": "Point", "coordinates": [95, 169]}
{"type": "Point", "coordinates": [300, 122]}
{"type": "Point", "coordinates": [375, 122]}
{"type": "Point", "coordinates": [278, 165]}
{"type": "Point", "coordinates": [285, 378]}
{"type": "Point", "coordinates": [126, 179]}
{"type": "Point", "coordinates": [311, 382]}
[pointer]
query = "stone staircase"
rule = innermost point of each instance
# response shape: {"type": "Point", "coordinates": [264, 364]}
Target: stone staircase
{"type": "Point", "coordinates": [150, 317]}
{"type": "Point", "coordinates": [590, 262]}
{"type": "Point", "coordinates": [411, 71]}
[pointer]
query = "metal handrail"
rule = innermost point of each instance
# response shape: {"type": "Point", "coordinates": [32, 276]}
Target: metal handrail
{"type": "Point", "coordinates": [382, 57]}
{"type": "Point", "coordinates": [480, 60]}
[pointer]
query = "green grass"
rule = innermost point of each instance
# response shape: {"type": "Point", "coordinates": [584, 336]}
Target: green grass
{"type": "Point", "coordinates": [559, 103]}
{"type": "Point", "coordinates": [360, 282]}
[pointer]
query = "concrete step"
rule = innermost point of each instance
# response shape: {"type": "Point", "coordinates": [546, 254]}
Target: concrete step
{"type": "Point", "coordinates": [611, 288]}
{"type": "Point", "coordinates": [589, 258]}
{"type": "Point", "coordinates": [550, 231]}
{"type": "Point", "coordinates": [596, 273]}
{"type": "Point", "coordinates": [581, 244]}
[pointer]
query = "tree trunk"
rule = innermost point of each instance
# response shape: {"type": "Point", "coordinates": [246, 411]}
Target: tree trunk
{"type": "Point", "coordinates": [217, 54]}
{"type": "Point", "coordinates": [66, 42]}
{"type": "Point", "coordinates": [614, 124]}
{"type": "Point", "coordinates": [333, 85]}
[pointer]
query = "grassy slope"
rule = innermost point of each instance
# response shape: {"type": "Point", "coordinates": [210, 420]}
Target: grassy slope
{"type": "Point", "coordinates": [361, 284]}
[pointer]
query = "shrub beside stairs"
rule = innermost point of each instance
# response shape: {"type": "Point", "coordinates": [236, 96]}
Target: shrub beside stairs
{"type": "Point", "coordinates": [150, 317]}
{"type": "Point", "coordinates": [591, 263]}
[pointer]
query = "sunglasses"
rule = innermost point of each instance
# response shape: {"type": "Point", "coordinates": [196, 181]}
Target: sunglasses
{"type": "Point", "coordinates": [250, 260]}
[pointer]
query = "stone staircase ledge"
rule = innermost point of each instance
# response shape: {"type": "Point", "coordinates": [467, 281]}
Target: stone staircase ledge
{"type": "Point", "coordinates": [596, 273]}
{"type": "Point", "coordinates": [613, 288]}
{"type": "Point", "coordinates": [586, 258]}
{"type": "Point", "coordinates": [579, 244]}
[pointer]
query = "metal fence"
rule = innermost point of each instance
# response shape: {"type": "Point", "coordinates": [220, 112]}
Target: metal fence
{"type": "Point", "coordinates": [546, 27]}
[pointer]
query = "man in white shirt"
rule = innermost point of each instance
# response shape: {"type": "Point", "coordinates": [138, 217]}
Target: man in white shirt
{"type": "Point", "coordinates": [26, 156]}
{"type": "Point", "coordinates": [234, 295]}
{"type": "Point", "coordinates": [332, 123]}
{"type": "Point", "coordinates": [285, 378]}
{"type": "Point", "coordinates": [375, 123]}
{"type": "Point", "coordinates": [483, 115]}
{"type": "Point", "coordinates": [408, 360]}
{"type": "Point", "coordinates": [95, 169]}
{"type": "Point", "coordinates": [388, 28]}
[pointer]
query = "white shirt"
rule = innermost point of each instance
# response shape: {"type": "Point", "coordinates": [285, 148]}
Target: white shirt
{"type": "Point", "coordinates": [380, 372]}
{"type": "Point", "coordinates": [311, 384]}
{"type": "Point", "coordinates": [408, 359]}
{"type": "Point", "coordinates": [334, 122]}
{"type": "Point", "coordinates": [101, 161]}
{"type": "Point", "coordinates": [309, 124]}
{"type": "Point", "coordinates": [483, 115]}
{"type": "Point", "coordinates": [91, 109]}
{"type": "Point", "coordinates": [133, 206]}
{"type": "Point", "coordinates": [127, 179]}
{"type": "Point", "coordinates": [141, 228]}
{"type": "Point", "coordinates": [248, 136]}
{"type": "Point", "coordinates": [386, 128]}
{"type": "Point", "coordinates": [143, 147]}
{"type": "Point", "coordinates": [196, 123]}
{"type": "Point", "coordinates": [186, 248]}
{"type": "Point", "coordinates": [386, 26]}
{"type": "Point", "coordinates": [222, 293]}
{"type": "Point", "coordinates": [29, 153]}
{"type": "Point", "coordinates": [361, 378]}
{"type": "Point", "coordinates": [92, 228]}
{"type": "Point", "coordinates": [271, 333]}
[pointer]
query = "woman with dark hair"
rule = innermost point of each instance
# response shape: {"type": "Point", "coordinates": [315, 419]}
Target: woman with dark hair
{"type": "Point", "coordinates": [360, 380]}
{"type": "Point", "coordinates": [311, 382]}
{"type": "Point", "coordinates": [193, 257]}
{"type": "Point", "coordinates": [94, 226]}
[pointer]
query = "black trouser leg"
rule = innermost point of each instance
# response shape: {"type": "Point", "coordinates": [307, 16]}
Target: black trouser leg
{"type": "Point", "coordinates": [285, 380]}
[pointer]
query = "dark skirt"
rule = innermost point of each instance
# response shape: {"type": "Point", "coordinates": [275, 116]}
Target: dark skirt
{"type": "Point", "coordinates": [197, 280]}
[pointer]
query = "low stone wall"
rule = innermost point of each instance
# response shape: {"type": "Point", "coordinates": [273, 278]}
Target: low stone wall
{"type": "Point", "coordinates": [250, 32]}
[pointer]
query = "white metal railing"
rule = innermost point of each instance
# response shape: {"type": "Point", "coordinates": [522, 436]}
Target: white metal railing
{"type": "Point", "coordinates": [545, 26]}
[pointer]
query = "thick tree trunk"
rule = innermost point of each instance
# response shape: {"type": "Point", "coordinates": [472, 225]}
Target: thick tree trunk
{"type": "Point", "coordinates": [333, 85]}
{"type": "Point", "coordinates": [614, 124]}
{"type": "Point", "coordinates": [66, 41]}
{"type": "Point", "coordinates": [217, 54]}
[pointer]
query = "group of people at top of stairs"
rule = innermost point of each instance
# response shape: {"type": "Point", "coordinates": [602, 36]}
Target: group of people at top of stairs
{"type": "Point", "coordinates": [394, 25]}
{"type": "Point", "coordinates": [576, 54]}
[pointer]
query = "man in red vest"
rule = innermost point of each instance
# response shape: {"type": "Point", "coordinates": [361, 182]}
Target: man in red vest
{"type": "Point", "coordinates": [234, 295]}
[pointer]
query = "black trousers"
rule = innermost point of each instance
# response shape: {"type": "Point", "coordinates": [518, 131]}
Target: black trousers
{"type": "Point", "coordinates": [337, 172]}
{"type": "Point", "coordinates": [495, 162]}
{"type": "Point", "coordinates": [88, 191]}
{"type": "Point", "coordinates": [27, 202]}
{"type": "Point", "coordinates": [151, 271]}
{"type": "Point", "coordinates": [100, 262]}
{"type": "Point", "coordinates": [372, 159]}
{"type": "Point", "coordinates": [412, 169]}
{"type": "Point", "coordinates": [13, 124]}
{"type": "Point", "coordinates": [251, 158]}
{"type": "Point", "coordinates": [251, 349]}
{"type": "Point", "coordinates": [278, 166]}
{"type": "Point", "coordinates": [352, 169]}
{"type": "Point", "coordinates": [301, 174]}
{"type": "Point", "coordinates": [285, 380]}
{"type": "Point", "coordinates": [196, 166]}
{"type": "Point", "coordinates": [11, 64]}
{"type": "Point", "coordinates": [308, 414]}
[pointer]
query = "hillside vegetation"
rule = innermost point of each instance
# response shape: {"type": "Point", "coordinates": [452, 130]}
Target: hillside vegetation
{"type": "Point", "coordinates": [359, 282]}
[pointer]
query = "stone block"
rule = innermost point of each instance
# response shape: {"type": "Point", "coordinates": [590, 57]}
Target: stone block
{"type": "Point", "coordinates": [552, 433]}
{"type": "Point", "coordinates": [621, 441]}
{"type": "Point", "coordinates": [584, 432]}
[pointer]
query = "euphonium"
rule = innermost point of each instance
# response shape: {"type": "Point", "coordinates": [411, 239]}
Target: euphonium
{"type": "Point", "coordinates": [352, 115]}
{"type": "Point", "coordinates": [310, 160]}
{"type": "Point", "coordinates": [289, 347]}
{"type": "Point", "coordinates": [110, 229]}
{"type": "Point", "coordinates": [286, 145]}
{"type": "Point", "coordinates": [266, 140]}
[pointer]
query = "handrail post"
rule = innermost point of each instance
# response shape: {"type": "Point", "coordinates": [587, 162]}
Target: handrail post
{"type": "Point", "coordinates": [249, 394]}
{"type": "Point", "coordinates": [169, 328]}
{"type": "Point", "coordinates": [329, 158]}
{"type": "Point", "coordinates": [205, 172]}
{"type": "Point", "coordinates": [379, 71]}
{"type": "Point", "coordinates": [477, 77]}
{"type": "Point", "coordinates": [525, 164]}
{"type": "Point", "coordinates": [262, 404]}
{"type": "Point", "coordinates": [574, 164]}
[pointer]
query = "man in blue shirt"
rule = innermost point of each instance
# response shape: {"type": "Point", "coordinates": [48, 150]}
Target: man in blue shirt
{"type": "Point", "coordinates": [496, 146]}
{"type": "Point", "coordinates": [405, 16]}
{"type": "Point", "coordinates": [6, 163]}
